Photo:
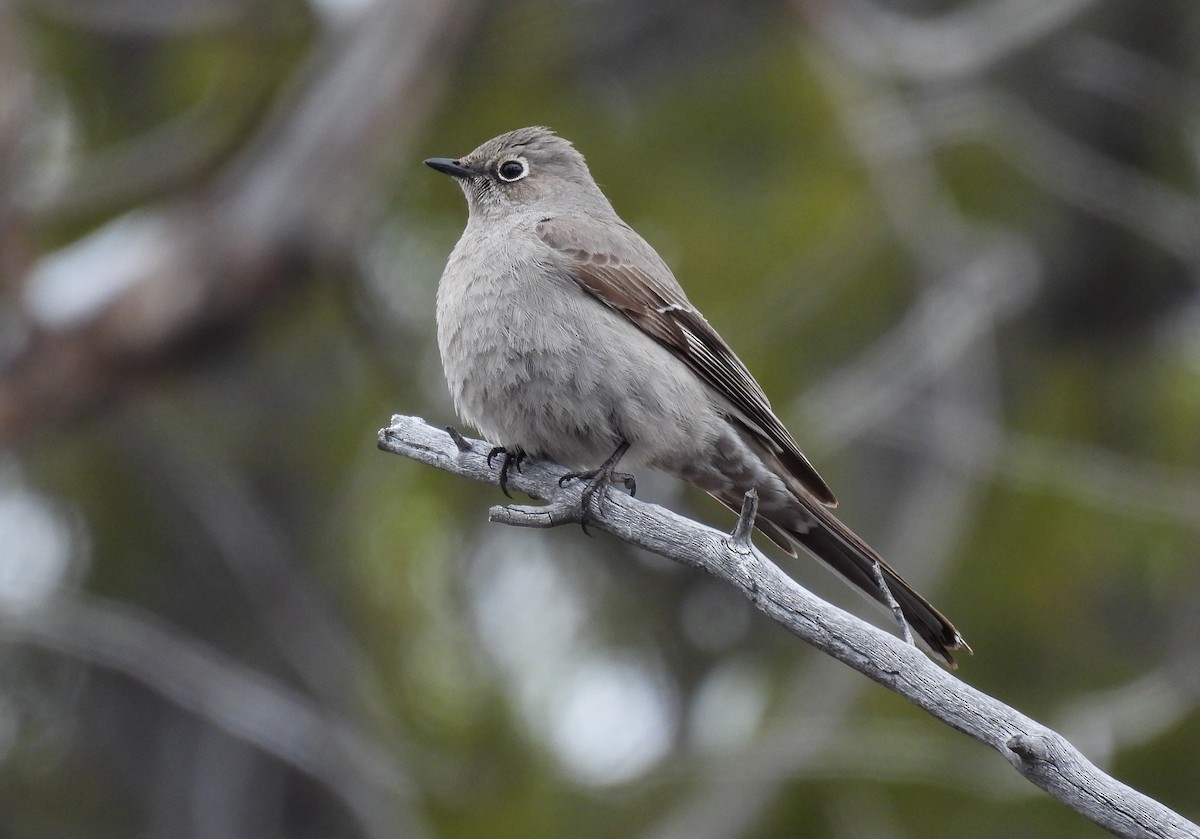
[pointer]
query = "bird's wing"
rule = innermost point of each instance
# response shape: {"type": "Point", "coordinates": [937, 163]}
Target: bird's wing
{"type": "Point", "coordinates": [626, 274]}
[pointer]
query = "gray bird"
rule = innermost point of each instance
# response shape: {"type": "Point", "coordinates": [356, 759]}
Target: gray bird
{"type": "Point", "coordinates": [564, 336]}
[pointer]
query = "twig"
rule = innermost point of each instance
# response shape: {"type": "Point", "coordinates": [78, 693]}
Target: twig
{"type": "Point", "coordinates": [890, 602]}
{"type": "Point", "coordinates": [1040, 754]}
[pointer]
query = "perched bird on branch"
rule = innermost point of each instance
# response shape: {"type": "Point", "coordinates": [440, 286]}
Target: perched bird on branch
{"type": "Point", "coordinates": [565, 336]}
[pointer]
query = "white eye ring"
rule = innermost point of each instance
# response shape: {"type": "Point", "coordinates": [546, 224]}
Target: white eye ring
{"type": "Point", "coordinates": [508, 173]}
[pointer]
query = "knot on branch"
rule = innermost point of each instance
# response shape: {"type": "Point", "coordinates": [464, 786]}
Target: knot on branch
{"type": "Point", "coordinates": [1033, 752]}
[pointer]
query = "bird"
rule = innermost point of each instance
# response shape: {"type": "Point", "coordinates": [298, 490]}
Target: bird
{"type": "Point", "coordinates": [564, 336]}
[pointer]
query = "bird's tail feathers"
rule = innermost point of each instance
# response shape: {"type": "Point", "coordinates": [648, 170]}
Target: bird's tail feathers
{"type": "Point", "coordinates": [824, 536]}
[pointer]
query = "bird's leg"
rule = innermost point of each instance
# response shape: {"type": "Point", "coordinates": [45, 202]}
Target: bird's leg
{"type": "Point", "coordinates": [510, 458]}
{"type": "Point", "coordinates": [599, 480]}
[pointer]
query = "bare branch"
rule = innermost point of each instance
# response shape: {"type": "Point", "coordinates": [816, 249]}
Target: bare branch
{"type": "Point", "coordinates": [962, 43]}
{"type": "Point", "coordinates": [1037, 752]}
{"type": "Point", "coordinates": [244, 703]}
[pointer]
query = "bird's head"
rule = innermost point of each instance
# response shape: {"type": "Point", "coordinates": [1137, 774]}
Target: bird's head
{"type": "Point", "coordinates": [530, 168]}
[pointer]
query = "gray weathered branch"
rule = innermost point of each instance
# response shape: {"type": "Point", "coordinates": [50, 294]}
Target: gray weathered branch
{"type": "Point", "coordinates": [1040, 754]}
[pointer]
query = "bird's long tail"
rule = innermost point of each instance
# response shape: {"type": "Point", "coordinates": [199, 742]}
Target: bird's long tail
{"type": "Point", "coordinates": [824, 536]}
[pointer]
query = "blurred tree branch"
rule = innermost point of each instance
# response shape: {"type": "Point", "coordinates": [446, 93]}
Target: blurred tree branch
{"type": "Point", "coordinates": [245, 703]}
{"type": "Point", "coordinates": [157, 280]}
{"type": "Point", "coordinates": [1043, 756]}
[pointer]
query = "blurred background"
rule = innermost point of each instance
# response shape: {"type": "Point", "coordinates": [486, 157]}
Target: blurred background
{"type": "Point", "coordinates": [958, 242]}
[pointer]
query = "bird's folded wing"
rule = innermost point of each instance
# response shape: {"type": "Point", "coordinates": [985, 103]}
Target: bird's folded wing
{"type": "Point", "coordinates": [625, 273]}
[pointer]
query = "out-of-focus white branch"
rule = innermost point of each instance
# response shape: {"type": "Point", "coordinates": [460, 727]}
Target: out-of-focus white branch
{"type": "Point", "coordinates": [1073, 171]}
{"type": "Point", "coordinates": [1088, 474]}
{"type": "Point", "coordinates": [296, 194]}
{"type": "Point", "coordinates": [245, 703]}
{"type": "Point", "coordinates": [961, 43]}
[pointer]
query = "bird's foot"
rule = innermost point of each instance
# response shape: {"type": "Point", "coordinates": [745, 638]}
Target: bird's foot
{"type": "Point", "coordinates": [508, 459]}
{"type": "Point", "coordinates": [599, 481]}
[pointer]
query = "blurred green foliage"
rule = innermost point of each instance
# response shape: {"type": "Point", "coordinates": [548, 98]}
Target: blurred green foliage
{"type": "Point", "coordinates": [717, 133]}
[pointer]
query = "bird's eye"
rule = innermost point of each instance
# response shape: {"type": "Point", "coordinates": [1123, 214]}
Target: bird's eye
{"type": "Point", "coordinates": [512, 170]}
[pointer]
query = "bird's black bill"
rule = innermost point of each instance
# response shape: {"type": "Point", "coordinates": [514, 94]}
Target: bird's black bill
{"type": "Point", "coordinates": [449, 167]}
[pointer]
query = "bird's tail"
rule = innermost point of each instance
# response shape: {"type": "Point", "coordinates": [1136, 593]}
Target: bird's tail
{"type": "Point", "coordinates": [824, 536]}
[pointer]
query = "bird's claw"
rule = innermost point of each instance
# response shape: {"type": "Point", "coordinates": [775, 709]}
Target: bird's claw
{"type": "Point", "coordinates": [510, 458]}
{"type": "Point", "coordinates": [600, 480]}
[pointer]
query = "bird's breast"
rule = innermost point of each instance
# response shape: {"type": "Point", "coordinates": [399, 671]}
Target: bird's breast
{"type": "Point", "coordinates": [534, 361]}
